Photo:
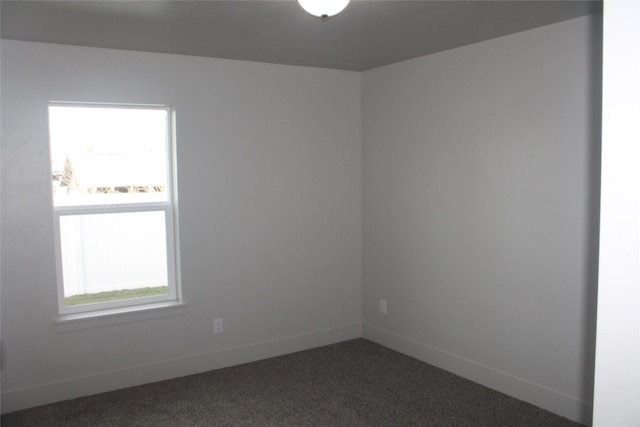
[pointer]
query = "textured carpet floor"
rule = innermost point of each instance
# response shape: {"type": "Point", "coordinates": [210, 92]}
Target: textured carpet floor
{"type": "Point", "coordinates": [355, 383]}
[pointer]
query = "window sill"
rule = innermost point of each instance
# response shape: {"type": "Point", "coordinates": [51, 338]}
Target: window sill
{"type": "Point", "coordinates": [115, 316]}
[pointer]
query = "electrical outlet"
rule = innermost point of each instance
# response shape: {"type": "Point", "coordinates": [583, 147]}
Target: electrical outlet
{"type": "Point", "coordinates": [383, 306]}
{"type": "Point", "coordinates": [217, 325]}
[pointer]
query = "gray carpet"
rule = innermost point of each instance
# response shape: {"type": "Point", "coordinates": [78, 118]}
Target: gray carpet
{"type": "Point", "coordinates": [354, 383]}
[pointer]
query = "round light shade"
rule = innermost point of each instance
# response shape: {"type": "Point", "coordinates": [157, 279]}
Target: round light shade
{"type": "Point", "coordinates": [323, 8]}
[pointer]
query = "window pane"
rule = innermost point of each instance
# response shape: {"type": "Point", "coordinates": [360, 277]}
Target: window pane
{"type": "Point", "coordinates": [103, 155]}
{"type": "Point", "coordinates": [107, 257]}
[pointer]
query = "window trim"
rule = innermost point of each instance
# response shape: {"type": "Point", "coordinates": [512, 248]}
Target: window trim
{"type": "Point", "coordinates": [170, 209]}
{"type": "Point", "coordinates": [116, 316]}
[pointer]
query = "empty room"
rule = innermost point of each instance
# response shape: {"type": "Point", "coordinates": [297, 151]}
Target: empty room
{"type": "Point", "coordinates": [272, 213]}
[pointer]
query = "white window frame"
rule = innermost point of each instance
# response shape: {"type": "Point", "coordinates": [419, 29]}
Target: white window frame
{"type": "Point", "coordinates": [168, 207]}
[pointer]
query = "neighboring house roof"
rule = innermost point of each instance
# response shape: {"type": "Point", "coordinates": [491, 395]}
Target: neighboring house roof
{"type": "Point", "coordinates": [89, 170]}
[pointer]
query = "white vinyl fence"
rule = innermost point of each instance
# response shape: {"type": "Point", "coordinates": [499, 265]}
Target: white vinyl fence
{"type": "Point", "coordinates": [106, 252]}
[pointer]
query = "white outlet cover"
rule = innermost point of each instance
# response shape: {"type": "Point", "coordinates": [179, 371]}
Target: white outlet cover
{"type": "Point", "coordinates": [217, 325]}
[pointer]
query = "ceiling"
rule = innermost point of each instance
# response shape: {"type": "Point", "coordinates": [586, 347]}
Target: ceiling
{"type": "Point", "coordinates": [367, 34]}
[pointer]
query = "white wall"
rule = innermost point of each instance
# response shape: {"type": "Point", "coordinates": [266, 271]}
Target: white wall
{"type": "Point", "coordinates": [617, 375]}
{"type": "Point", "coordinates": [480, 204]}
{"type": "Point", "coordinates": [273, 246]}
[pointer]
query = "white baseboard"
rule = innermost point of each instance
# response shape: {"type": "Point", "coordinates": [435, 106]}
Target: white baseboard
{"type": "Point", "coordinates": [42, 394]}
{"type": "Point", "coordinates": [540, 396]}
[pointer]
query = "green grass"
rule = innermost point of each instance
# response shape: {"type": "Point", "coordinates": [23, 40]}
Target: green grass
{"type": "Point", "coordinates": [115, 295]}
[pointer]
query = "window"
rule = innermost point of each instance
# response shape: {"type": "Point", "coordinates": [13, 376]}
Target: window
{"type": "Point", "coordinates": [113, 205]}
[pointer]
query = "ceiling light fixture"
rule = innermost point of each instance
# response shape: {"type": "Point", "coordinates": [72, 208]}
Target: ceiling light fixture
{"type": "Point", "coordinates": [323, 8]}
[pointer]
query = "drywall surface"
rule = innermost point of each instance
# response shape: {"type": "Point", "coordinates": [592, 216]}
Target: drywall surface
{"type": "Point", "coordinates": [480, 205]}
{"type": "Point", "coordinates": [270, 217]}
{"type": "Point", "coordinates": [616, 400]}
